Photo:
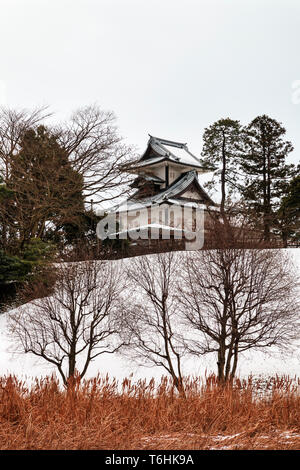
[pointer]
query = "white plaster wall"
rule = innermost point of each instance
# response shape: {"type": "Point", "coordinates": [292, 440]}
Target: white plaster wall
{"type": "Point", "coordinates": [174, 172]}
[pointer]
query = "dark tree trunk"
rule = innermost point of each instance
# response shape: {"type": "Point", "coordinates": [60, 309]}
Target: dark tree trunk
{"type": "Point", "coordinates": [221, 363]}
{"type": "Point", "coordinates": [72, 360]}
{"type": "Point", "coordinates": [266, 190]}
{"type": "Point", "coordinates": [223, 176]}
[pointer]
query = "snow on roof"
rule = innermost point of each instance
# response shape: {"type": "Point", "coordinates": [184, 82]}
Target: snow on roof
{"type": "Point", "coordinates": [175, 151]}
{"type": "Point", "coordinates": [149, 161]}
{"type": "Point", "coordinates": [153, 226]}
{"type": "Point", "coordinates": [155, 178]}
{"type": "Point", "coordinates": [194, 204]}
{"type": "Point", "coordinates": [139, 205]}
{"type": "Point", "coordinates": [168, 195]}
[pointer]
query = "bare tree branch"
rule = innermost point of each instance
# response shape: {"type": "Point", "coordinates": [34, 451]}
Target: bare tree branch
{"type": "Point", "coordinates": [152, 327]}
{"type": "Point", "coordinates": [80, 321]}
{"type": "Point", "coordinates": [238, 299]}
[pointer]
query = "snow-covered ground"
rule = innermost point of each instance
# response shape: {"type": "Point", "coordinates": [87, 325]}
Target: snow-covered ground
{"type": "Point", "coordinates": [256, 363]}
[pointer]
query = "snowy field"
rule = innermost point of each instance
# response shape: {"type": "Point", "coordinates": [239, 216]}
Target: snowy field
{"type": "Point", "coordinates": [26, 366]}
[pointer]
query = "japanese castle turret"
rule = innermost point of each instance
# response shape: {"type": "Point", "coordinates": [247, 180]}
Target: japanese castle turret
{"type": "Point", "coordinates": [167, 194]}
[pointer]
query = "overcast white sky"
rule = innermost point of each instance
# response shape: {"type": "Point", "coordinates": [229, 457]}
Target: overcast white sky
{"type": "Point", "coordinates": [167, 67]}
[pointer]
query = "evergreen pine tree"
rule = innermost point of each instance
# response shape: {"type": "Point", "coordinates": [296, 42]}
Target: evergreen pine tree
{"type": "Point", "coordinates": [221, 150]}
{"type": "Point", "coordinates": [267, 173]}
{"type": "Point", "coordinates": [46, 188]}
{"type": "Point", "coordinates": [288, 215]}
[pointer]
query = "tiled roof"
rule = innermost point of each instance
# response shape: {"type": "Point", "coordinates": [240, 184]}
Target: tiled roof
{"type": "Point", "coordinates": [149, 161]}
{"type": "Point", "coordinates": [167, 228]}
{"type": "Point", "coordinates": [168, 195]}
{"type": "Point", "coordinates": [176, 152]}
{"type": "Point", "coordinates": [154, 178]}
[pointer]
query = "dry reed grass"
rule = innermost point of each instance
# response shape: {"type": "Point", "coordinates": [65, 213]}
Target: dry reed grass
{"type": "Point", "coordinates": [101, 414]}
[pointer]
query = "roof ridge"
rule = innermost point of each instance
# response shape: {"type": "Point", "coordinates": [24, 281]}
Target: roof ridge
{"type": "Point", "coordinates": [168, 142]}
{"type": "Point", "coordinates": [161, 142]}
{"type": "Point", "coordinates": [177, 187]}
{"type": "Point", "coordinates": [188, 176]}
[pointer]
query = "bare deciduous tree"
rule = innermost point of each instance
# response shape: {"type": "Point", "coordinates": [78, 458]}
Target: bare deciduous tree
{"type": "Point", "coordinates": [90, 139]}
{"type": "Point", "coordinates": [52, 174]}
{"type": "Point", "coordinates": [151, 317]}
{"type": "Point", "coordinates": [236, 300]}
{"type": "Point", "coordinates": [13, 125]}
{"type": "Point", "coordinates": [97, 152]}
{"type": "Point", "coordinates": [45, 189]}
{"type": "Point", "coordinates": [80, 321]}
